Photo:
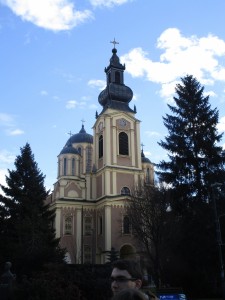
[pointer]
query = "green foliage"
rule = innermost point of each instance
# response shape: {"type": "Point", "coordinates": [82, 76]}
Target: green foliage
{"type": "Point", "coordinates": [72, 282]}
{"type": "Point", "coordinates": [196, 161]}
{"type": "Point", "coordinates": [26, 222]}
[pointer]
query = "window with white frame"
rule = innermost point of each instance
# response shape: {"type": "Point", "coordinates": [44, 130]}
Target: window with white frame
{"type": "Point", "coordinates": [123, 144]}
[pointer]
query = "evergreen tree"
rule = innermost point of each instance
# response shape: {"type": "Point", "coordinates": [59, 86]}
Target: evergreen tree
{"type": "Point", "coordinates": [26, 231]}
{"type": "Point", "coordinates": [195, 159]}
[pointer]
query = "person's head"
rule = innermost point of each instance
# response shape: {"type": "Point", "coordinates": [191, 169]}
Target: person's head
{"type": "Point", "coordinates": [126, 274]}
{"type": "Point", "coordinates": [129, 294]}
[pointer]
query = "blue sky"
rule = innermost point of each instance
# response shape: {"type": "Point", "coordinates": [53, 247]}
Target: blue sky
{"type": "Point", "coordinates": [52, 59]}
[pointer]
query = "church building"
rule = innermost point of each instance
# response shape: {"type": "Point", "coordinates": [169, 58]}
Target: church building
{"type": "Point", "coordinates": [96, 175]}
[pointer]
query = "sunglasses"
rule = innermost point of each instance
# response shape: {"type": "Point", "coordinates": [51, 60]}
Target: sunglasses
{"type": "Point", "coordinates": [121, 279]}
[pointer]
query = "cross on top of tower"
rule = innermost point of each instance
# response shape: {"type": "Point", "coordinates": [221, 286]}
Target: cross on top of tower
{"type": "Point", "coordinates": [83, 121]}
{"type": "Point", "coordinates": [142, 145]}
{"type": "Point", "coordinates": [70, 133]}
{"type": "Point", "coordinates": [114, 42]}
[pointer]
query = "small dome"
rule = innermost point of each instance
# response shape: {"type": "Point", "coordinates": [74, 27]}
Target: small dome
{"type": "Point", "coordinates": [118, 92]}
{"type": "Point", "coordinates": [69, 150]}
{"type": "Point", "coordinates": [81, 137]}
{"type": "Point", "coordinates": [144, 159]}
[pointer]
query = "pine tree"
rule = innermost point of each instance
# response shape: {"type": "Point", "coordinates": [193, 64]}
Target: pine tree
{"type": "Point", "coordinates": [27, 234]}
{"type": "Point", "coordinates": [196, 159]}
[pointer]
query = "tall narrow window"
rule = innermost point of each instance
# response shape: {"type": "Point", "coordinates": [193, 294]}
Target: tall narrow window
{"type": "Point", "coordinates": [68, 225]}
{"type": "Point", "coordinates": [87, 225]}
{"type": "Point", "coordinates": [117, 77]}
{"type": "Point", "coordinates": [147, 175]}
{"type": "Point", "coordinates": [64, 166]}
{"type": "Point", "coordinates": [88, 158]}
{"type": "Point", "coordinates": [109, 78]}
{"type": "Point", "coordinates": [73, 166]}
{"type": "Point", "coordinates": [123, 143]}
{"type": "Point", "coordinates": [126, 225]}
{"type": "Point", "coordinates": [100, 146]}
{"type": "Point", "coordinates": [87, 254]}
{"type": "Point", "coordinates": [100, 225]}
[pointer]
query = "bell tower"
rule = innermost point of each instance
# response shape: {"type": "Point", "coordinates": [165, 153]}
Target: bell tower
{"type": "Point", "coordinates": [117, 150]}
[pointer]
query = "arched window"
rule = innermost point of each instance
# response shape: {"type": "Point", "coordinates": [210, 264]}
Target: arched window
{"type": "Point", "coordinates": [117, 77]}
{"type": "Point", "coordinates": [100, 146]}
{"type": "Point", "coordinates": [123, 143]}
{"type": "Point", "coordinates": [73, 166]}
{"type": "Point", "coordinates": [126, 225]}
{"type": "Point", "coordinates": [68, 225]}
{"type": "Point", "coordinates": [64, 166]}
{"type": "Point", "coordinates": [125, 191]}
{"type": "Point", "coordinates": [79, 150]}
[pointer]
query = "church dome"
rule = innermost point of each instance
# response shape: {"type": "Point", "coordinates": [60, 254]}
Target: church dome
{"type": "Point", "coordinates": [69, 149]}
{"type": "Point", "coordinates": [144, 159]}
{"type": "Point", "coordinates": [81, 137]}
{"type": "Point", "coordinates": [116, 95]}
{"type": "Point", "coordinates": [121, 93]}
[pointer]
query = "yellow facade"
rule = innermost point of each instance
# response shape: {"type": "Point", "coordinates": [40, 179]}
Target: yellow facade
{"type": "Point", "coordinates": [96, 174]}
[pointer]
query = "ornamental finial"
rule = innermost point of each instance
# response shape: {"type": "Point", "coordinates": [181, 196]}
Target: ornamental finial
{"type": "Point", "coordinates": [114, 42]}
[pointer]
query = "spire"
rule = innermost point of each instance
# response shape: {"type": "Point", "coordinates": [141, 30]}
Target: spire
{"type": "Point", "coordinates": [116, 95]}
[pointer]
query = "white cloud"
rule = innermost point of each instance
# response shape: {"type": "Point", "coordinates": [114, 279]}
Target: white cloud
{"type": "Point", "coordinates": [44, 93]}
{"type": "Point", "coordinates": [6, 157]}
{"type": "Point", "coordinates": [71, 104]}
{"type": "Point", "coordinates": [6, 120]}
{"type": "Point", "coordinates": [93, 106]}
{"type": "Point", "coordinates": [147, 153]}
{"type": "Point", "coordinates": [97, 83]}
{"type": "Point", "coordinates": [181, 55]}
{"type": "Point", "coordinates": [210, 94]}
{"type": "Point", "coordinates": [152, 133]}
{"type": "Point", "coordinates": [54, 15]}
{"type": "Point", "coordinates": [3, 173]}
{"type": "Point", "coordinates": [16, 132]}
{"type": "Point", "coordinates": [108, 3]}
{"type": "Point", "coordinates": [221, 125]}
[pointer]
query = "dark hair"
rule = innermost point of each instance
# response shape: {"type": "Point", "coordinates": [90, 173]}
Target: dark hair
{"type": "Point", "coordinates": [131, 266]}
{"type": "Point", "coordinates": [129, 294]}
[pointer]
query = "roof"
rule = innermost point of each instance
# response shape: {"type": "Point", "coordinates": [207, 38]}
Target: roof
{"type": "Point", "coordinates": [81, 137]}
